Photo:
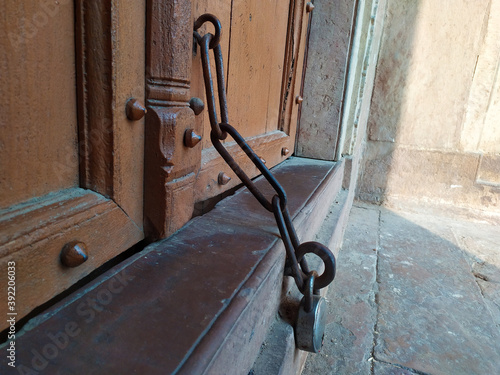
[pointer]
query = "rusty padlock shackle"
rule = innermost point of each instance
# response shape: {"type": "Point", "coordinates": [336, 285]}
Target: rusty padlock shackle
{"type": "Point", "coordinates": [309, 291]}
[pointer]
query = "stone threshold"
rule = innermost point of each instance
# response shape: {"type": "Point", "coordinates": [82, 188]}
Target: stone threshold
{"type": "Point", "coordinates": [198, 302]}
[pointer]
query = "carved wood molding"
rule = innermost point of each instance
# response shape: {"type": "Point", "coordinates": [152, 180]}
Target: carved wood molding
{"type": "Point", "coordinates": [171, 168]}
{"type": "Point", "coordinates": [110, 70]}
{"type": "Point", "coordinates": [292, 65]}
{"type": "Point", "coordinates": [34, 233]}
{"type": "Point", "coordinates": [169, 165]}
{"type": "Point", "coordinates": [168, 54]}
{"type": "Point", "coordinates": [94, 62]}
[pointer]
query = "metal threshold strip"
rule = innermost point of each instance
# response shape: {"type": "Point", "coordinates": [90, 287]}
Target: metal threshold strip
{"type": "Point", "coordinates": [200, 301]}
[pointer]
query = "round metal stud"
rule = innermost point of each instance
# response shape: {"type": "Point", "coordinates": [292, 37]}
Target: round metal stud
{"type": "Point", "coordinates": [309, 7]}
{"type": "Point", "coordinates": [197, 105]}
{"type": "Point", "coordinates": [285, 151]}
{"type": "Point", "coordinates": [191, 139]}
{"type": "Point", "coordinates": [74, 254]}
{"type": "Point", "coordinates": [135, 110]}
{"type": "Point", "coordinates": [299, 99]}
{"type": "Point", "coordinates": [223, 178]}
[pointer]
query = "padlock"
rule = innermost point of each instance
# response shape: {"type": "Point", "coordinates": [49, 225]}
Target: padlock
{"type": "Point", "coordinates": [311, 319]}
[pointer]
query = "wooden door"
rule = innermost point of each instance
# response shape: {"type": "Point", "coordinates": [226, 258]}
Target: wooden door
{"type": "Point", "coordinates": [261, 83]}
{"type": "Point", "coordinates": [75, 169]}
{"type": "Point", "coordinates": [71, 163]}
{"type": "Point", "coordinates": [263, 47]}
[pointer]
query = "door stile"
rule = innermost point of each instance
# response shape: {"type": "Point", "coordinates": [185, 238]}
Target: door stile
{"type": "Point", "coordinates": [170, 166]}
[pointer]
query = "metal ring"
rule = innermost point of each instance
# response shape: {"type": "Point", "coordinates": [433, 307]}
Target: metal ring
{"type": "Point", "coordinates": [197, 36]}
{"type": "Point", "coordinates": [207, 17]}
{"type": "Point", "coordinates": [326, 256]}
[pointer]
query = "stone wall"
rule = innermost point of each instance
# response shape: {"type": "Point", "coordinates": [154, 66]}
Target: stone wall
{"type": "Point", "coordinates": [434, 125]}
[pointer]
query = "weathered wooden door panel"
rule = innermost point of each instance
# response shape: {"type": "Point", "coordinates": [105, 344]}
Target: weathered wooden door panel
{"type": "Point", "coordinates": [255, 66]}
{"type": "Point", "coordinates": [38, 152]}
{"type": "Point", "coordinates": [111, 64]}
{"type": "Point", "coordinates": [74, 162]}
{"type": "Point", "coordinates": [71, 162]}
{"type": "Point", "coordinates": [265, 41]}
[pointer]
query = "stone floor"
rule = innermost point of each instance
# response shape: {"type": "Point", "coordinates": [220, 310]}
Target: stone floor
{"type": "Point", "coordinates": [415, 293]}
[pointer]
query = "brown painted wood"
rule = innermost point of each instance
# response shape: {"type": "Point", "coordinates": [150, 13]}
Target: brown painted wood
{"type": "Point", "coordinates": [157, 316]}
{"type": "Point", "coordinates": [38, 123]}
{"type": "Point", "coordinates": [298, 74]}
{"type": "Point", "coordinates": [264, 70]}
{"type": "Point", "coordinates": [33, 236]}
{"type": "Point", "coordinates": [169, 164]}
{"type": "Point", "coordinates": [294, 60]}
{"type": "Point", "coordinates": [222, 10]}
{"type": "Point", "coordinates": [267, 145]}
{"type": "Point", "coordinates": [258, 40]}
{"type": "Point", "coordinates": [43, 207]}
{"type": "Point", "coordinates": [255, 67]}
{"type": "Point", "coordinates": [111, 71]}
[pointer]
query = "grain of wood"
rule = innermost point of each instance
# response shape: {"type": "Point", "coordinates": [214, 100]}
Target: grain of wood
{"type": "Point", "coordinates": [129, 135]}
{"type": "Point", "coordinates": [258, 39]}
{"type": "Point", "coordinates": [268, 146]}
{"type": "Point", "coordinates": [38, 126]}
{"type": "Point", "coordinates": [294, 62]}
{"type": "Point", "coordinates": [300, 42]}
{"type": "Point", "coordinates": [255, 38]}
{"type": "Point", "coordinates": [58, 55]}
{"type": "Point", "coordinates": [34, 236]}
{"type": "Point", "coordinates": [111, 71]}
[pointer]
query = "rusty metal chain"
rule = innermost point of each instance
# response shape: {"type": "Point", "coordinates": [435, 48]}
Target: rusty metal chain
{"type": "Point", "coordinates": [296, 265]}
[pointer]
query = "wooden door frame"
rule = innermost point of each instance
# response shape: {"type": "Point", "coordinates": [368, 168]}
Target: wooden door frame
{"type": "Point", "coordinates": [173, 175]}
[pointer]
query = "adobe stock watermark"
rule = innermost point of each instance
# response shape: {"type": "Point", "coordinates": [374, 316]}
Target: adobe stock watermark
{"type": "Point", "coordinates": [29, 27]}
{"type": "Point", "coordinates": [88, 309]}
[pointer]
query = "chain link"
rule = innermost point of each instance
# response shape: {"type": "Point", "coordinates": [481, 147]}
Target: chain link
{"type": "Point", "coordinates": [296, 265]}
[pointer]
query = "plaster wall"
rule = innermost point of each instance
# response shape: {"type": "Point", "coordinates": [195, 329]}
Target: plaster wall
{"type": "Point", "coordinates": [434, 125]}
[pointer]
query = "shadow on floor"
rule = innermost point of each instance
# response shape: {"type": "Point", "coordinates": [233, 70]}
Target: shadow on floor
{"type": "Point", "coordinates": [415, 293]}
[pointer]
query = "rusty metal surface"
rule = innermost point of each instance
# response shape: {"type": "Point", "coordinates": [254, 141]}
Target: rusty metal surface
{"type": "Point", "coordinates": [150, 314]}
